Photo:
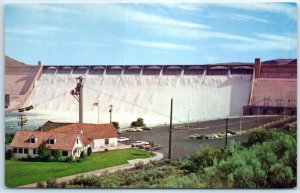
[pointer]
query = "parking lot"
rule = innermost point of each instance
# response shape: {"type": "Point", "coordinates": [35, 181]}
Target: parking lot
{"type": "Point", "coordinates": [183, 145]}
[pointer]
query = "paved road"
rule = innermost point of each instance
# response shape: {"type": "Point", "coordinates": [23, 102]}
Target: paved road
{"type": "Point", "coordinates": [183, 146]}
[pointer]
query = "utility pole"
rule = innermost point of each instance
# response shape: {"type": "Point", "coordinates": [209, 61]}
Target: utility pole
{"type": "Point", "coordinates": [170, 131]}
{"type": "Point", "coordinates": [242, 113]}
{"type": "Point", "coordinates": [189, 118]}
{"type": "Point", "coordinates": [110, 112]}
{"type": "Point", "coordinates": [78, 95]}
{"type": "Point", "coordinates": [226, 132]}
{"type": "Point", "coordinates": [22, 121]}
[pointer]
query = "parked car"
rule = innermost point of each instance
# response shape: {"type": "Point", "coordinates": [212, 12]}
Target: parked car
{"type": "Point", "coordinates": [131, 129]}
{"type": "Point", "coordinates": [214, 136]}
{"type": "Point", "coordinates": [201, 137]}
{"type": "Point", "coordinates": [232, 132]}
{"type": "Point", "coordinates": [204, 137]}
{"type": "Point", "coordinates": [194, 136]}
{"type": "Point", "coordinates": [146, 128]}
{"type": "Point", "coordinates": [121, 139]}
{"type": "Point", "coordinates": [156, 147]}
{"type": "Point", "coordinates": [138, 129]}
{"type": "Point", "coordinates": [137, 143]}
{"type": "Point", "coordinates": [223, 134]}
{"type": "Point", "coordinates": [145, 146]}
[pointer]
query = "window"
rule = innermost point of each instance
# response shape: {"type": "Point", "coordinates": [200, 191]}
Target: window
{"type": "Point", "coordinates": [64, 153]}
{"type": "Point", "coordinates": [77, 141]}
{"type": "Point", "coordinates": [15, 150]}
{"type": "Point", "coordinates": [32, 140]}
{"type": "Point", "coordinates": [106, 141]}
{"type": "Point", "coordinates": [34, 151]}
{"type": "Point", "coordinates": [51, 141]}
{"type": "Point", "coordinates": [20, 150]}
{"type": "Point", "coordinates": [26, 151]}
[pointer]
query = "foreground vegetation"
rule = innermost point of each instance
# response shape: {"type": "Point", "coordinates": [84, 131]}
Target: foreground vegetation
{"type": "Point", "coordinates": [268, 160]}
{"type": "Point", "coordinates": [19, 173]}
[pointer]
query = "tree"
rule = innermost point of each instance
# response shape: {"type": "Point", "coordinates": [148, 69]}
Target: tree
{"type": "Point", "coordinates": [44, 152]}
{"type": "Point", "coordinates": [9, 154]}
{"type": "Point", "coordinates": [138, 123]}
{"type": "Point", "coordinates": [116, 124]}
{"type": "Point", "coordinates": [56, 154]}
{"type": "Point", "coordinates": [89, 151]}
{"type": "Point", "coordinates": [9, 137]}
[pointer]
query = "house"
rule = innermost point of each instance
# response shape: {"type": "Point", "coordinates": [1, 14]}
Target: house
{"type": "Point", "coordinates": [70, 139]}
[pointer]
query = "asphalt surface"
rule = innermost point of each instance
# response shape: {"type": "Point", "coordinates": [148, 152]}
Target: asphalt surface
{"type": "Point", "coordinates": [183, 146]}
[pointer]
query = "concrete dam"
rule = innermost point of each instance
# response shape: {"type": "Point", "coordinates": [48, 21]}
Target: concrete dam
{"type": "Point", "coordinates": [199, 92]}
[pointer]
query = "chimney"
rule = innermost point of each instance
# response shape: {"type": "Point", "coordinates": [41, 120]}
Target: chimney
{"type": "Point", "coordinates": [39, 63]}
{"type": "Point", "coordinates": [257, 67]}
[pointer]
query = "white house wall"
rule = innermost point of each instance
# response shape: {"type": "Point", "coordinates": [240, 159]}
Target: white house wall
{"type": "Point", "coordinates": [99, 144]}
{"type": "Point", "coordinates": [79, 146]}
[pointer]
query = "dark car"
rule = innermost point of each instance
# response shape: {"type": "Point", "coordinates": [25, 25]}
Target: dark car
{"type": "Point", "coordinates": [146, 128]}
{"type": "Point", "coordinates": [232, 132]}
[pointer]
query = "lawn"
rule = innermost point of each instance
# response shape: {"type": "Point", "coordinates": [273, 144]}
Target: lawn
{"type": "Point", "coordinates": [19, 173]}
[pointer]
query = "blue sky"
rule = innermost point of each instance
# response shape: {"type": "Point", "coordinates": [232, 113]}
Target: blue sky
{"type": "Point", "coordinates": [82, 34]}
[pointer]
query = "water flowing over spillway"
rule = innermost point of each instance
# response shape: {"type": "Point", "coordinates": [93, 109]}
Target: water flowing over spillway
{"type": "Point", "coordinates": [196, 97]}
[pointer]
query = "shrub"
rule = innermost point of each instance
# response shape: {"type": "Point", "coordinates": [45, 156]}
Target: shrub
{"type": "Point", "coordinates": [106, 150]}
{"type": "Point", "coordinates": [116, 124]}
{"type": "Point", "coordinates": [260, 135]}
{"type": "Point", "coordinates": [138, 123]}
{"type": "Point", "coordinates": [44, 152]}
{"type": "Point", "coordinates": [89, 151]}
{"type": "Point", "coordinates": [69, 159]}
{"type": "Point", "coordinates": [9, 154]}
{"type": "Point", "coordinates": [82, 155]}
{"type": "Point", "coordinates": [9, 137]}
{"type": "Point", "coordinates": [56, 154]}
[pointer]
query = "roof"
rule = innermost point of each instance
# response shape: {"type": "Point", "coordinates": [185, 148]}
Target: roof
{"type": "Point", "coordinates": [64, 141]}
{"type": "Point", "coordinates": [90, 131]}
{"type": "Point", "coordinates": [51, 125]}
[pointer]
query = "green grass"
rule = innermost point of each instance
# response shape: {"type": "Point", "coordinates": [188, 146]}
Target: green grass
{"type": "Point", "coordinates": [19, 173]}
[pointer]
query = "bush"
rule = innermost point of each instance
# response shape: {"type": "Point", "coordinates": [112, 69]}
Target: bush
{"type": "Point", "coordinates": [69, 159]}
{"type": "Point", "coordinates": [260, 135]}
{"type": "Point", "coordinates": [138, 123]}
{"type": "Point", "coordinates": [44, 152]}
{"type": "Point", "coordinates": [9, 154]}
{"type": "Point", "coordinates": [56, 154]}
{"type": "Point", "coordinates": [82, 155]}
{"type": "Point", "coordinates": [80, 160]}
{"type": "Point", "coordinates": [116, 124]}
{"type": "Point", "coordinates": [89, 151]}
{"type": "Point", "coordinates": [9, 137]}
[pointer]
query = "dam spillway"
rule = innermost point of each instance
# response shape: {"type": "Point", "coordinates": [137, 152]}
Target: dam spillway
{"type": "Point", "coordinates": [199, 93]}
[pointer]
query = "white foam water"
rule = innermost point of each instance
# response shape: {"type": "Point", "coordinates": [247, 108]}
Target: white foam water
{"type": "Point", "coordinates": [195, 97]}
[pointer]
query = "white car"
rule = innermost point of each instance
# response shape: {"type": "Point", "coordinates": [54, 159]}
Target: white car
{"type": "Point", "coordinates": [121, 139]}
{"type": "Point", "coordinates": [137, 143]}
{"type": "Point", "coordinates": [138, 129]}
{"type": "Point", "coordinates": [214, 136]}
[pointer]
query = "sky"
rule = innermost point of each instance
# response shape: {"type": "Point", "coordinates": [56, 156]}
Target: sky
{"type": "Point", "coordinates": [143, 33]}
